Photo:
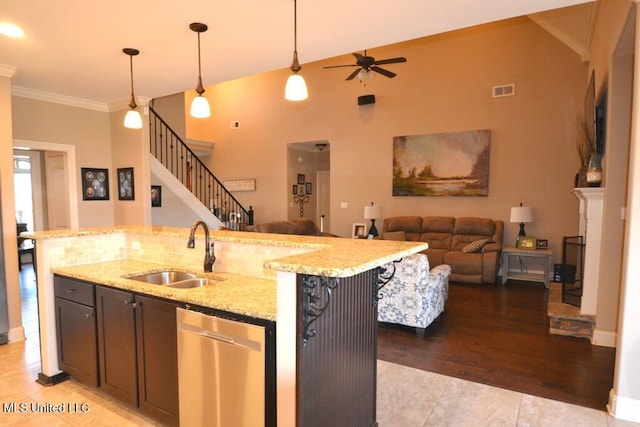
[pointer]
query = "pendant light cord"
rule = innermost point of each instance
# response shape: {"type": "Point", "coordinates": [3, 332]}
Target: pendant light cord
{"type": "Point", "coordinates": [199, 89]}
{"type": "Point", "coordinates": [132, 103]}
{"type": "Point", "coordinates": [295, 65]}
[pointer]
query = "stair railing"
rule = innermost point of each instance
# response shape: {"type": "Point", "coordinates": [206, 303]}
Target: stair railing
{"type": "Point", "coordinates": [185, 165]}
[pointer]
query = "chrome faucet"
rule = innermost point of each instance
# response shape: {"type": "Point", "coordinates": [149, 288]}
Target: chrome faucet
{"type": "Point", "coordinates": [209, 257]}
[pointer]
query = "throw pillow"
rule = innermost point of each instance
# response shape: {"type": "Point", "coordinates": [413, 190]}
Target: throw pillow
{"type": "Point", "coordinates": [475, 246]}
{"type": "Point", "coordinates": [399, 236]}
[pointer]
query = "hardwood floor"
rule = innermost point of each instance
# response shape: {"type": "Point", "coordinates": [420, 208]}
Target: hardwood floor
{"type": "Point", "coordinates": [498, 335]}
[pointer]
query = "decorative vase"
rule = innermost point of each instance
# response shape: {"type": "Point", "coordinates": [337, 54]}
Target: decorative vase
{"type": "Point", "coordinates": [581, 178]}
{"type": "Point", "coordinates": [594, 170]}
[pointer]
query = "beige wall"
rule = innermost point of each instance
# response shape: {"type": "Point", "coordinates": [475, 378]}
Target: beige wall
{"type": "Point", "coordinates": [617, 78]}
{"type": "Point", "coordinates": [8, 212]}
{"type": "Point", "coordinates": [445, 86]}
{"type": "Point", "coordinates": [130, 149]}
{"type": "Point", "coordinates": [88, 130]}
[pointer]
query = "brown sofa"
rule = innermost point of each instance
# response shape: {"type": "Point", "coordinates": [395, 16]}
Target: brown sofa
{"type": "Point", "coordinates": [302, 226]}
{"type": "Point", "coordinates": [471, 246]}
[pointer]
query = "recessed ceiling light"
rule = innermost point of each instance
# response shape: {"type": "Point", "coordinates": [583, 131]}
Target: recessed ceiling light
{"type": "Point", "coordinates": [11, 30]}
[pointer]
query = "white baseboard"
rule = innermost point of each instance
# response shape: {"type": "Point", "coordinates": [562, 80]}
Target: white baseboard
{"type": "Point", "coordinates": [16, 334]}
{"type": "Point", "coordinates": [623, 408]}
{"type": "Point", "coordinates": [604, 338]}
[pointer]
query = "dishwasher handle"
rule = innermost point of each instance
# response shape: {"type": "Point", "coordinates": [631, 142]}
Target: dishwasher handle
{"type": "Point", "coordinates": [216, 336]}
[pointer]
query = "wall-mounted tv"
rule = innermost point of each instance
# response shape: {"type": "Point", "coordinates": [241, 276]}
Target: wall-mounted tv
{"type": "Point", "coordinates": [595, 112]}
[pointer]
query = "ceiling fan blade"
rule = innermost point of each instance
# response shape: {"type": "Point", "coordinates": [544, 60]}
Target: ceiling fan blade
{"type": "Point", "coordinates": [390, 61]}
{"type": "Point", "coordinates": [383, 72]}
{"type": "Point", "coordinates": [352, 75]}
{"type": "Point", "coordinates": [358, 56]}
{"type": "Point", "coordinates": [340, 66]}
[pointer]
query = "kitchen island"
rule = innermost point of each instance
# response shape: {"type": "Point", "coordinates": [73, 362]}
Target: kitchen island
{"type": "Point", "coordinates": [321, 292]}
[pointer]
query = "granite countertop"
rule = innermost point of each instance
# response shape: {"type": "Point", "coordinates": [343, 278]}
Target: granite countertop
{"type": "Point", "coordinates": [243, 294]}
{"type": "Point", "coordinates": [328, 256]}
{"type": "Point", "coordinates": [235, 293]}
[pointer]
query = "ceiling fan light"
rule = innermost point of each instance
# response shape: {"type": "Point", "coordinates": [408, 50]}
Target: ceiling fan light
{"type": "Point", "coordinates": [296, 88]}
{"type": "Point", "coordinates": [365, 75]}
{"type": "Point", "coordinates": [133, 120]}
{"type": "Point", "coordinates": [200, 107]}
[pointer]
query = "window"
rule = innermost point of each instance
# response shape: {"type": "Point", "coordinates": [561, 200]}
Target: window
{"type": "Point", "coordinates": [22, 190]}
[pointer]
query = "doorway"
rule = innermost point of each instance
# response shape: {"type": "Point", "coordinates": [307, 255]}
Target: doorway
{"type": "Point", "coordinates": [310, 161]}
{"type": "Point", "coordinates": [54, 184]}
{"type": "Point", "coordinates": [35, 207]}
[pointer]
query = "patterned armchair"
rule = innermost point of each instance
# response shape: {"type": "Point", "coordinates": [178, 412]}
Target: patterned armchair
{"type": "Point", "coordinates": [415, 295]}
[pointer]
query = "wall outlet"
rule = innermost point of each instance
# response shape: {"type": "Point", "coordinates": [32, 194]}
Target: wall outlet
{"type": "Point", "coordinates": [235, 125]}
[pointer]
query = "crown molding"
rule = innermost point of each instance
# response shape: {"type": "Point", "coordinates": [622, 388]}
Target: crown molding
{"type": "Point", "coordinates": [71, 101]}
{"type": "Point", "coordinates": [7, 70]}
{"type": "Point", "coordinates": [142, 101]}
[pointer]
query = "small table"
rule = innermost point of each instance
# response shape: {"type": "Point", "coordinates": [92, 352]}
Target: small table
{"type": "Point", "coordinates": [25, 247]}
{"type": "Point", "coordinates": [545, 254]}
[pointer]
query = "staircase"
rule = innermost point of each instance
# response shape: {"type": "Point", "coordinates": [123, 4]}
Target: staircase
{"type": "Point", "coordinates": [170, 150]}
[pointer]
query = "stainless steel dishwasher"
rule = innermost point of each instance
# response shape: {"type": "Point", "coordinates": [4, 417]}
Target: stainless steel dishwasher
{"type": "Point", "coordinates": [221, 371]}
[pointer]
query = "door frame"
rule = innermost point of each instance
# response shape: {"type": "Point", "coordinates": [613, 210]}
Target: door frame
{"type": "Point", "coordinates": [70, 151]}
{"type": "Point", "coordinates": [321, 189]}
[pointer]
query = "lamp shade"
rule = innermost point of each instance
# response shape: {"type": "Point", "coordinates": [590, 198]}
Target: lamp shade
{"type": "Point", "coordinates": [133, 120]}
{"type": "Point", "coordinates": [296, 88]}
{"type": "Point", "coordinates": [372, 212]}
{"type": "Point", "coordinates": [200, 107]}
{"type": "Point", "coordinates": [521, 214]}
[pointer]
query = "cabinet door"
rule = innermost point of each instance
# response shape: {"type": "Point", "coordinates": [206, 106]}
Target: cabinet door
{"type": "Point", "coordinates": [117, 344]}
{"type": "Point", "coordinates": [157, 358]}
{"type": "Point", "coordinates": [77, 344]}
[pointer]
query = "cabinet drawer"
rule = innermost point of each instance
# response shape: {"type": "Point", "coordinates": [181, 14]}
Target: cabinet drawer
{"type": "Point", "coordinates": [74, 290]}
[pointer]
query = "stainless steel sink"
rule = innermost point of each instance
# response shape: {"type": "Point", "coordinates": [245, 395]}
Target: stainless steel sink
{"type": "Point", "coordinates": [174, 279]}
{"type": "Point", "coordinates": [189, 283]}
{"type": "Point", "coordinates": [163, 277]}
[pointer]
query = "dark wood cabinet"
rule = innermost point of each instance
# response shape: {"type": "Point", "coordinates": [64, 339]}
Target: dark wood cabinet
{"type": "Point", "coordinates": [157, 358]}
{"type": "Point", "coordinates": [137, 344]}
{"type": "Point", "coordinates": [76, 329]}
{"type": "Point", "coordinates": [117, 344]}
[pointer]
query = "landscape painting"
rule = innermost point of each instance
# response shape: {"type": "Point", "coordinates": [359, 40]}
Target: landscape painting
{"type": "Point", "coordinates": [442, 164]}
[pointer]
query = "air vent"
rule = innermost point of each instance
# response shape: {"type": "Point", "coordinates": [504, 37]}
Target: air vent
{"type": "Point", "coordinates": [504, 90]}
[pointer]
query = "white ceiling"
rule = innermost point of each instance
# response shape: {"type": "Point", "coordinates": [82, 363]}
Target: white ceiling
{"type": "Point", "coordinates": [74, 47]}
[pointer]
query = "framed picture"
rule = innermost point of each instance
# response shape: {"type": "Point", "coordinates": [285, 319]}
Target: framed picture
{"type": "Point", "coordinates": [359, 230]}
{"type": "Point", "coordinates": [307, 188]}
{"type": "Point", "coordinates": [301, 178]}
{"type": "Point", "coordinates": [95, 184]}
{"type": "Point", "coordinates": [295, 190]}
{"type": "Point", "coordinates": [542, 244]}
{"type": "Point", "coordinates": [156, 196]}
{"type": "Point", "coordinates": [527, 243]}
{"type": "Point", "coordinates": [240, 184]}
{"type": "Point", "coordinates": [422, 164]}
{"type": "Point", "coordinates": [125, 184]}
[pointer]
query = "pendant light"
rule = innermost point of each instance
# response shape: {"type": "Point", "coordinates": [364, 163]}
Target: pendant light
{"type": "Point", "coordinates": [132, 120]}
{"type": "Point", "coordinates": [199, 106]}
{"type": "Point", "coordinates": [296, 89]}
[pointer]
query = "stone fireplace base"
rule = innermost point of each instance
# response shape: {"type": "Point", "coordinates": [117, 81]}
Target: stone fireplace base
{"type": "Point", "coordinates": [565, 319]}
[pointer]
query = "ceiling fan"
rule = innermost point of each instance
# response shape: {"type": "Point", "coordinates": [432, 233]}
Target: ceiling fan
{"type": "Point", "coordinates": [366, 64]}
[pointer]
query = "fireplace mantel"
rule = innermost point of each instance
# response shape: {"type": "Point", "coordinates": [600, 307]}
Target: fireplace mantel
{"type": "Point", "coordinates": [591, 210]}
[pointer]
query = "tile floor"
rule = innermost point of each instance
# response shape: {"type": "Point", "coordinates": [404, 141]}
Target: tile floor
{"type": "Point", "coordinates": [407, 397]}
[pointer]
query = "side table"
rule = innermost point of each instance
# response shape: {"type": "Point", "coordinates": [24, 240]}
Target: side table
{"type": "Point", "coordinates": [510, 252]}
{"type": "Point", "coordinates": [25, 247]}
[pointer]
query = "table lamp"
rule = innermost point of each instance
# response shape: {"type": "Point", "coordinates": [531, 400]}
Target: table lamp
{"type": "Point", "coordinates": [521, 214]}
{"type": "Point", "coordinates": [372, 212]}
